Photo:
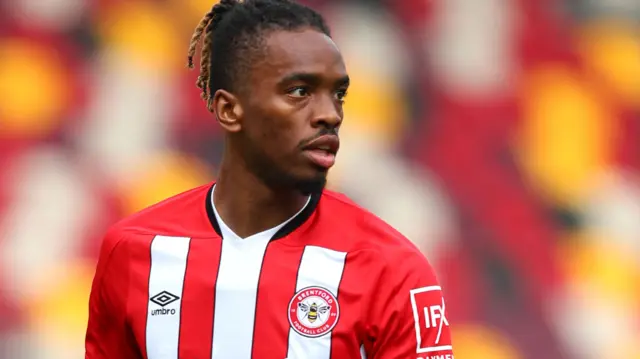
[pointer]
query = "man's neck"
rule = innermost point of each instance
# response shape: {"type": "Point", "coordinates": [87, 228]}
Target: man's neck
{"type": "Point", "coordinates": [248, 206]}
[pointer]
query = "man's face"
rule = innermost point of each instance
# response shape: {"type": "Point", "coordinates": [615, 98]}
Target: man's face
{"type": "Point", "coordinates": [293, 109]}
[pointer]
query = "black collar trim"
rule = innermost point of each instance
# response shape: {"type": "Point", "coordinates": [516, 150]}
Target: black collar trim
{"type": "Point", "coordinates": [291, 226]}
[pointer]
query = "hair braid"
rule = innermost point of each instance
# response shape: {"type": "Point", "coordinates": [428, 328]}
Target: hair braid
{"type": "Point", "coordinates": [197, 35]}
{"type": "Point", "coordinates": [205, 66]}
{"type": "Point", "coordinates": [206, 26]}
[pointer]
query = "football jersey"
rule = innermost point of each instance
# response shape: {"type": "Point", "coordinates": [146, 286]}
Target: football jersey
{"type": "Point", "coordinates": [334, 281]}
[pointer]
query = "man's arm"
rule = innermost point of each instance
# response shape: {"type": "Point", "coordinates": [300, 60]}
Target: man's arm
{"type": "Point", "coordinates": [410, 319]}
{"type": "Point", "coordinates": [108, 336]}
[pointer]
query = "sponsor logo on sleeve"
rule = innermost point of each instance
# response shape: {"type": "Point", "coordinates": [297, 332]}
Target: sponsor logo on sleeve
{"type": "Point", "coordinates": [431, 323]}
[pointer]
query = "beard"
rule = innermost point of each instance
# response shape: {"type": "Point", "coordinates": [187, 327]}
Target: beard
{"type": "Point", "coordinates": [311, 186]}
{"type": "Point", "coordinates": [277, 177]}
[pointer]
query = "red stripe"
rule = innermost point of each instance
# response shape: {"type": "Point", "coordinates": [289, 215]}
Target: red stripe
{"type": "Point", "coordinates": [139, 249]}
{"type": "Point", "coordinates": [279, 276]}
{"type": "Point", "coordinates": [198, 298]}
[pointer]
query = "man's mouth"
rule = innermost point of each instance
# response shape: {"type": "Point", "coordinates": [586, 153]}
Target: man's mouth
{"type": "Point", "coordinates": [322, 151]}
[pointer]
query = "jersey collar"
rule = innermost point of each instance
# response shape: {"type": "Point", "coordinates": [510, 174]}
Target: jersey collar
{"type": "Point", "coordinates": [289, 227]}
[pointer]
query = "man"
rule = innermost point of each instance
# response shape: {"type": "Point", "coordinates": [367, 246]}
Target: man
{"type": "Point", "coordinates": [264, 263]}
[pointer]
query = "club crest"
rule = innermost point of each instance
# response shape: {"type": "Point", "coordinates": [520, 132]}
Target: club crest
{"type": "Point", "coordinates": [313, 312]}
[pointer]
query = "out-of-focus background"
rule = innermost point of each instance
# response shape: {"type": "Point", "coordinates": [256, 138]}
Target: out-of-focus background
{"type": "Point", "coordinates": [502, 136]}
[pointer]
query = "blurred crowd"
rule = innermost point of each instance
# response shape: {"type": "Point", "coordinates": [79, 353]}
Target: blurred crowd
{"type": "Point", "coordinates": [501, 136]}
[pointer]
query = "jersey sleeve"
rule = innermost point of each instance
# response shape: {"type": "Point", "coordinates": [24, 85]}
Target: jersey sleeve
{"type": "Point", "coordinates": [107, 334]}
{"type": "Point", "coordinates": [409, 312]}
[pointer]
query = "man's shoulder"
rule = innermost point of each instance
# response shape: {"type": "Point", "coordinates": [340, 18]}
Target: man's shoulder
{"type": "Point", "coordinates": [368, 231]}
{"type": "Point", "coordinates": [181, 215]}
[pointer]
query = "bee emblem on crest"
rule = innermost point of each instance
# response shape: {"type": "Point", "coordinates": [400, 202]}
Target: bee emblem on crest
{"type": "Point", "coordinates": [313, 310]}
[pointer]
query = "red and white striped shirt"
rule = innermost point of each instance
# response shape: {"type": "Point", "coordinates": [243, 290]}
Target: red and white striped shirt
{"type": "Point", "coordinates": [173, 281]}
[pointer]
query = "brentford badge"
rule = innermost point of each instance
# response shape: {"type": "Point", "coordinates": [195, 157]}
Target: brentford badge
{"type": "Point", "coordinates": [313, 312]}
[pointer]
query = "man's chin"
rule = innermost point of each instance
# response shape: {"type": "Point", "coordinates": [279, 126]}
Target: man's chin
{"type": "Point", "coordinates": [312, 185]}
{"type": "Point", "coordinates": [308, 183]}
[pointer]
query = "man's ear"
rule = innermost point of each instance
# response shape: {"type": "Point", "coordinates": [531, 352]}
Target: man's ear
{"type": "Point", "coordinates": [228, 110]}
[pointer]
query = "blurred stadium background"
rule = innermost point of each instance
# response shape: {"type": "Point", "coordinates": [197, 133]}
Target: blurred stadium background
{"type": "Point", "coordinates": [502, 136]}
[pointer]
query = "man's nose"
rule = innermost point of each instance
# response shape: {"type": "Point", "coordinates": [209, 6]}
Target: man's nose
{"type": "Point", "coordinates": [327, 112]}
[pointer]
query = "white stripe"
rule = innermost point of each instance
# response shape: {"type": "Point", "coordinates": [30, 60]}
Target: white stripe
{"type": "Point", "coordinates": [168, 267]}
{"type": "Point", "coordinates": [236, 295]}
{"type": "Point", "coordinates": [320, 267]}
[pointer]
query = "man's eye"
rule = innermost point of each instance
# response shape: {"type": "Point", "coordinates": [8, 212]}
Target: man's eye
{"type": "Point", "coordinates": [340, 95]}
{"type": "Point", "coordinates": [299, 92]}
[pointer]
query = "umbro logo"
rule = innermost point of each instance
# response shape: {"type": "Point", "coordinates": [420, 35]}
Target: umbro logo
{"type": "Point", "coordinates": [163, 299]}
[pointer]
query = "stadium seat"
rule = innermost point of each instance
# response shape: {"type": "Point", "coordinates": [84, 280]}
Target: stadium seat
{"type": "Point", "coordinates": [374, 106]}
{"type": "Point", "coordinates": [33, 89]}
{"type": "Point", "coordinates": [603, 266]}
{"type": "Point", "coordinates": [60, 316]}
{"type": "Point", "coordinates": [612, 51]}
{"type": "Point", "coordinates": [143, 32]}
{"type": "Point", "coordinates": [567, 133]}
{"type": "Point", "coordinates": [479, 342]}
{"type": "Point", "coordinates": [167, 175]}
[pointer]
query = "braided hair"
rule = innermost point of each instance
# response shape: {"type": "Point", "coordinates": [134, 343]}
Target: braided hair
{"type": "Point", "coordinates": [232, 31]}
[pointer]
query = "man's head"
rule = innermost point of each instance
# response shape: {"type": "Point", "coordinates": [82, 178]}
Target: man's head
{"type": "Point", "coordinates": [276, 83]}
